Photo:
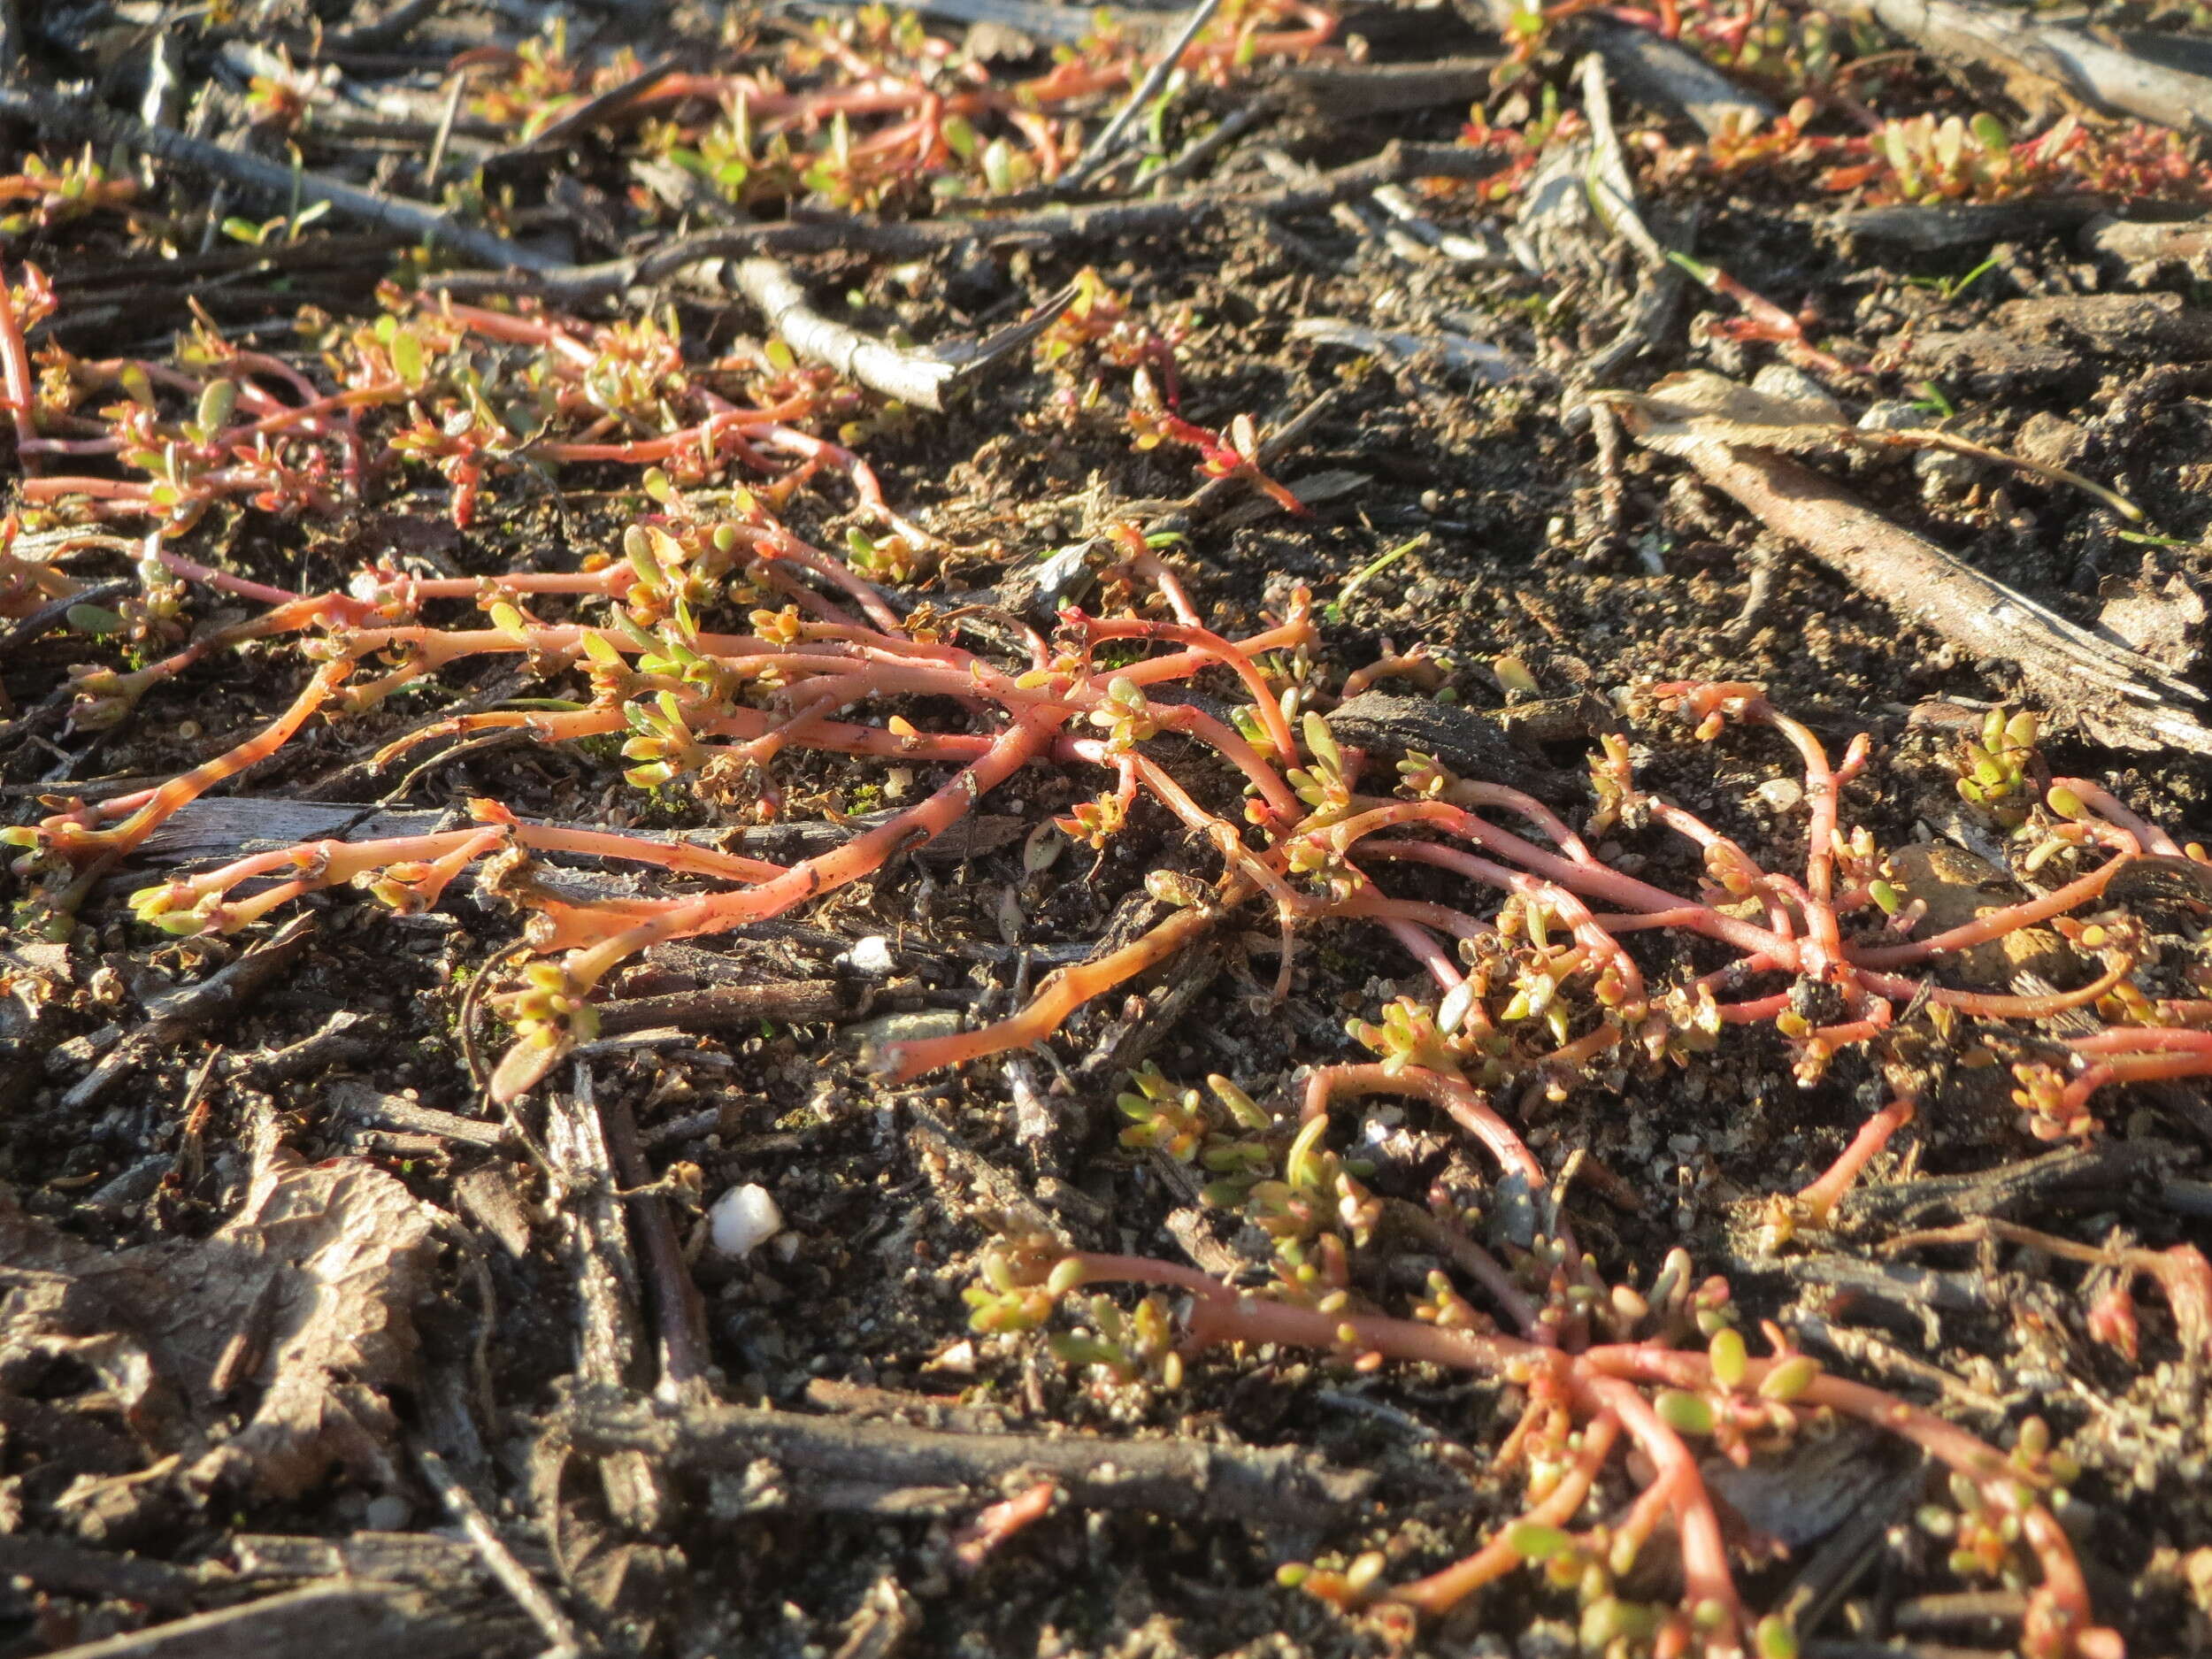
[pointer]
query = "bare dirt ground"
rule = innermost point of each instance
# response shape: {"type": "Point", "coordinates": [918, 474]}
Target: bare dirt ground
{"type": "Point", "coordinates": [309, 1344]}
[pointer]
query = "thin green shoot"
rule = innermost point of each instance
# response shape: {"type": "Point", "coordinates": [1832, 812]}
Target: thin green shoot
{"type": "Point", "coordinates": [1361, 577]}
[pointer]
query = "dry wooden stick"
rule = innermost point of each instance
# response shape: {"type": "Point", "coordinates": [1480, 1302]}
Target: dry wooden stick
{"type": "Point", "coordinates": [1932, 228]}
{"type": "Point", "coordinates": [1101, 221]}
{"type": "Point", "coordinates": [333, 1620]}
{"type": "Point", "coordinates": [1612, 190]}
{"type": "Point", "coordinates": [720, 1007]}
{"type": "Point", "coordinates": [2075, 1178]}
{"type": "Point", "coordinates": [923, 379]}
{"type": "Point", "coordinates": [679, 1315]}
{"type": "Point", "coordinates": [83, 120]}
{"type": "Point", "coordinates": [1180, 1480]}
{"type": "Point", "coordinates": [2072, 61]}
{"type": "Point", "coordinates": [2120, 696]}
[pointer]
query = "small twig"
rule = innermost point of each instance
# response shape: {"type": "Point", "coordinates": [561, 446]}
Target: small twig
{"type": "Point", "coordinates": [1214, 494]}
{"type": "Point", "coordinates": [23, 630]}
{"type": "Point", "coordinates": [1109, 140]}
{"type": "Point", "coordinates": [1349, 91]}
{"type": "Point", "coordinates": [1761, 562]}
{"type": "Point", "coordinates": [1233, 127]}
{"type": "Point", "coordinates": [609, 1327]}
{"type": "Point", "coordinates": [500, 1561]}
{"type": "Point", "coordinates": [347, 1035]}
{"type": "Point", "coordinates": [1612, 191]}
{"type": "Point", "coordinates": [369, 1106]}
{"type": "Point", "coordinates": [58, 1566]}
{"type": "Point", "coordinates": [1605, 427]}
{"type": "Point", "coordinates": [679, 1315]}
{"type": "Point", "coordinates": [1658, 302]}
{"type": "Point", "coordinates": [1850, 1550]}
{"type": "Point", "coordinates": [436, 159]}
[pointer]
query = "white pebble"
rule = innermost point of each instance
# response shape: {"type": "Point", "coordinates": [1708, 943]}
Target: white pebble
{"type": "Point", "coordinates": [871, 955]}
{"type": "Point", "coordinates": [743, 1219]}
{"type": "Point", "coordinates": [1781, 794]}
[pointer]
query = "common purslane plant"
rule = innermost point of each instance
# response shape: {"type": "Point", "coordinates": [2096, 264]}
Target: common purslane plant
{"type": "Point", "coordinates": [870, 110]}
{"type": "Point", "coordinates": [1657, 1380]}
{"type": "Point", "coordinates": [1527, 931]}
{"type": "Point", "coordinates": [1542, 991]}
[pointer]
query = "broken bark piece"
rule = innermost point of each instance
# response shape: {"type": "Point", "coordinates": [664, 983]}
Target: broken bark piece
{"type": "Point", "coordinates": [488, 1197]}
{"type": "Point", "coordinates": [1178, 1479]}
{"type": "Point", "coordinates": [1477, 359]}
{"type": "Point", "coordinates": [2135, 327]}
{"type": "Point", "coordinates": [2142, 248]}
{"type": "Point", "coordinates": [1987, 361]}
{"type": "Point", "coordinates": [2077, 1178]}
{"type": "Point", "coordinates": [1660, 73]}
{"type": "Point", "coordinates": [1474, 742]}
{"type": "Point", "coordinates": [1349, 91]}
{"type": "Point", "coordinates": [2164, 620]}
{"type": "Point", "coordinates": [1957, 885]}
{"type": "Point", "coordinates": [1929, 228]}
{"type": "Point", "coordinates": [1665, 73]}
{"type": "Point", "coordinates": [1808, 1487]}
{"type": "Point", "coordinates": [2118, 695]}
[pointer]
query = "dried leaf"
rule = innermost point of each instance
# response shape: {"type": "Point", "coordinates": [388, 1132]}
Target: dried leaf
{"type": "Point", "coordinates": [298, 1310]}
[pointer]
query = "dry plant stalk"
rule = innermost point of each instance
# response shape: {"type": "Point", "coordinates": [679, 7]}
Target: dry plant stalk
{"type": "Point", "coordinates": [1738, 440]}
